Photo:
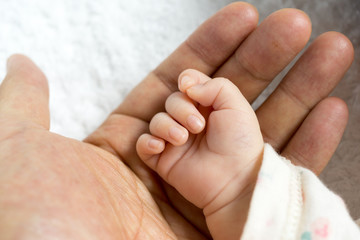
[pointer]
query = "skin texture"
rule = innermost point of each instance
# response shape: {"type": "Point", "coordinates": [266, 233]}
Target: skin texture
{"type": "Point", "coordinates": [216, 48]}
{"type": "Point", "coordinates": [104, 176]}
{"type": "Point", "coordinates": [215, 164]}
{"type": "Point", "coordinates": [55, 187]}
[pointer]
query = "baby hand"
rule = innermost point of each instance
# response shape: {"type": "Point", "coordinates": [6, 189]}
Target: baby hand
{"type": "Point", "coordinates": [214, 168]}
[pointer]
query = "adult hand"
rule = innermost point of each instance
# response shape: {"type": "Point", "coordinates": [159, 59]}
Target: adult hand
{"type": "Point", "coordinates": [52, 187]}
{"type": "Point", "coordinates": [297, 119]}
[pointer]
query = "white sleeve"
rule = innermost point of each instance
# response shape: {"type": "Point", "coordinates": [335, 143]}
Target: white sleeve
{"type": "Point", "coordinates": [290, 202]}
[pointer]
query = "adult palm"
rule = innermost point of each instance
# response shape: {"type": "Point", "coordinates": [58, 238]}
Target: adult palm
{"type": "Point", "coordinates": [52, 187]}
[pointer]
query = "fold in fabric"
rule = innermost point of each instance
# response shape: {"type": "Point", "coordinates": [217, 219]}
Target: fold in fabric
{"type": "Point", "coordinates": [290, 202]}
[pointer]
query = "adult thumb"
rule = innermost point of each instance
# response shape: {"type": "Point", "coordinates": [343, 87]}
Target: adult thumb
{"type": "Point", "coordinates": [24, 93]}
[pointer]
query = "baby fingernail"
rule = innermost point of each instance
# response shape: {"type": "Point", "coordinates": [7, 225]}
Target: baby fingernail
{"type": "Point", "coordinates": [177, 134]}
{"type": "Point", "coordinates": [195, 123]}
{"type": "Point", "coordinates": [154, 143]}
{"type": "Point", "coordinates": [186, 82]}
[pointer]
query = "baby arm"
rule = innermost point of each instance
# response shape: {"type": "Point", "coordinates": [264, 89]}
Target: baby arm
{"type": "Point", "coordinates": [208, 145]}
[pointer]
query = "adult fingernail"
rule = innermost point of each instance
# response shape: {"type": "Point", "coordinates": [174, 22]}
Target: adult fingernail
{"type": "Point", "coordinates": [195, 123]}
{"type": "Point", "coordinates": [177, 134]}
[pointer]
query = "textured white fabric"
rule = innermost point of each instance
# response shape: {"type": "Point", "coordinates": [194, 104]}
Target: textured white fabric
{"type": "Point", "coordinates": [290, 202]}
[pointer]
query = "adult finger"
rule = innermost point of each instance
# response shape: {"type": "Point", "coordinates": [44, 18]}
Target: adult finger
{"type": "Point", "coordinates": [24, 93]}
{"type": "Point", "coordinates": [311, 79]}
{"type": "Point", "coordinates": [318, 137]}
{"type": "Point", "coordinates": [205, 50]}
{"type": "Point", "coordinates": [267, 51]}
